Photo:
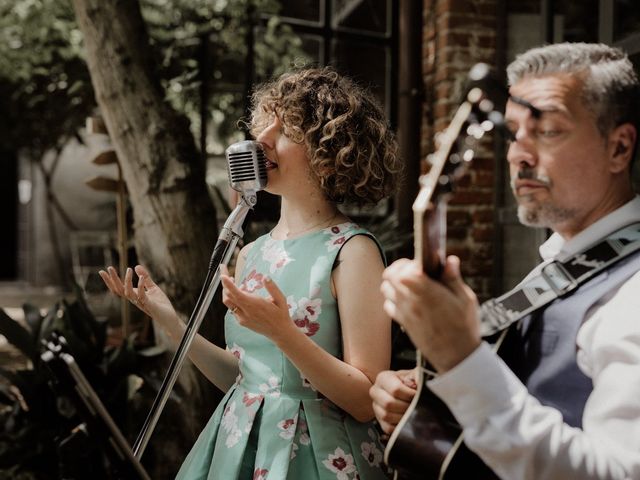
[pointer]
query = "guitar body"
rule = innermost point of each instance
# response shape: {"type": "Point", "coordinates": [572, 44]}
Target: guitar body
{"type": "Point", "coordinates": [427, 443]}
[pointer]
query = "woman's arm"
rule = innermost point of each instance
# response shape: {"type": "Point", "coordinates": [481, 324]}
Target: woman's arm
{"type": "Point", "coordinates": [215, 363]}
{"type": "Point", "coordinates": [366, 329]}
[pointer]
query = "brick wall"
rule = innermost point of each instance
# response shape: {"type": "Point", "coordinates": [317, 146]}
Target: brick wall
{"type": "Point", "coordinates": [456, 35]}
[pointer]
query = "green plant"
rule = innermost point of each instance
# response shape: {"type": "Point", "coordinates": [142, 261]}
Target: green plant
{"type": "Point", "coordinates": [34, 418]}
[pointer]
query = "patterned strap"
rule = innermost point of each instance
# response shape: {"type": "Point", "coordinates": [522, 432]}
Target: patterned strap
{"type": "Point", "coordinates": [557, 279]}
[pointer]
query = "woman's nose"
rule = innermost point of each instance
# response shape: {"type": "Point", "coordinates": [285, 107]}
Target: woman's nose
{"type": "Point", "coordinates": [268, 135]}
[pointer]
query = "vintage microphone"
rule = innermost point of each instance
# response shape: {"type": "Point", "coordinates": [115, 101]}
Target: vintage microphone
{"type": "Point", "coordinates": [246, 166]}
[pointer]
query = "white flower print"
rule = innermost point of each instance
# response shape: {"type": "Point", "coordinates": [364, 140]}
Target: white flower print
{"type": "Point", "coordinates": [272, 387]}
{"type": "Point", "coordinates": [294, 448]}
{"type": "Point", "coordinates": [309, 308]}
{"type": "Point", "coordinates": [305, 313]}
{"type": "Point", "coordinates": [288, 427]}
{"type": "Point", "coordinates": [371, 453]}
{"type": "Point", "coordinates": [229, 423]}
{"type": "Point", "coordinates": [237, 352]}
{"type": "Point", "coordinates": [252, 282]}
{"type": "Point", "coordinates": [260, 474]}
{"type": "Point", "coordinates": [304, 433]}
{"type": "Point", "coordinates": [275, 255]}
{"type": "Point", "coordinates": [337, 237]}
{"type": "Point", "coordinates": [306, 383]}
{"type": "Point", "coordinates": [340, 463]}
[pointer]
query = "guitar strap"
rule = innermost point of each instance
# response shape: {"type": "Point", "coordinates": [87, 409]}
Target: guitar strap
{"type": "Point", "coordinates": [557, 279]}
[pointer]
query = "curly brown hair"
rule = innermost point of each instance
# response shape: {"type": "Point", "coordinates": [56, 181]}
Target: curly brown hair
{"type": "Point", "coordinates": [353, 153]}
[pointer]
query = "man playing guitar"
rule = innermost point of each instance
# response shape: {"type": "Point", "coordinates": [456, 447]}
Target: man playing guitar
{"type": "Point", "coordinates": [565, 401]}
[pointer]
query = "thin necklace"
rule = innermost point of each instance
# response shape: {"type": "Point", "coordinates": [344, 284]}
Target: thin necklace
{"type": "Point", "coordinates": [315, 225]}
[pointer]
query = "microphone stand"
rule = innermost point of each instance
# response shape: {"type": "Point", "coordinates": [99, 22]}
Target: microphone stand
{"type": "Point", "coordinates": [227, 240]}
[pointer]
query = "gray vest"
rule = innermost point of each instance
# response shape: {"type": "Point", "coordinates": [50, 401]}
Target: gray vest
{"type": "Point", "coordinates": [542, 349]}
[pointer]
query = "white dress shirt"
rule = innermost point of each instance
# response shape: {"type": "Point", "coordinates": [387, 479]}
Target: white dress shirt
{"type": "Point", "coordinates": [521, 439]}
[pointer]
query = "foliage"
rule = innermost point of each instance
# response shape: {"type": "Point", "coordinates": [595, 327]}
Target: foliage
{"type": "Point", "coordinates": [33, 417]}
{"type": "Point", "coordinates": [45, 88]}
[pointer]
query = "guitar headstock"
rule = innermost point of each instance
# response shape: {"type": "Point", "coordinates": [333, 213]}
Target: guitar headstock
{"type": "Point", "coordinates": [479, 113]}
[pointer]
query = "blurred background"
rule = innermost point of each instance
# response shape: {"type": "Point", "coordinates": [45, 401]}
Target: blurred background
{"type": "Point", "coordinates": [114, 118]}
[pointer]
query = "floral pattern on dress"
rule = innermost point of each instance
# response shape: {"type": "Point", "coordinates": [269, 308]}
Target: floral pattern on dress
{"type": "Point", "coordinates": [341, 464]}
{"type": "Point", "coordinates": [337, 236]}
{"type": "Point", "coordinates": [260, 474]}
{"type": "Point", "coordinates": [230, 425]}
{"type": "Point", "coordinates": [250, 398]}
{"type": "Point", "coordinates": [371, 453]}
{"type": "Point", "coordinates": [287, 427]}
{"type": "Point", "coordinates": [252, 282]}
{"type": "Point", "coordinates": [271, 387]}
{"type": "Point", "coordinates": [305, 313]}
{"type": "Point", "coordinates": [276, 256]}
{"type": "Point", "coordinates": [306, 383]}
{"type": "Point", "coordinates": [237, 352]}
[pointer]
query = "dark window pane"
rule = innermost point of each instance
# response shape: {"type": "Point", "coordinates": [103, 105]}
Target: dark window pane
{"type": "Point", "coordinates": [312, 46]}
{"type": "Point", "coordinates": [9, 216]}
{"type": "Point", "coordinates": [626, 18]}
{"type": "Point", "coordinates": [368, 64]}
{"type": "Point", "coordinates": [367, 15]}
{"type": "Point", "coordinates": [307, 10]}
{"type": "Point", "coordinates": [579, 20]}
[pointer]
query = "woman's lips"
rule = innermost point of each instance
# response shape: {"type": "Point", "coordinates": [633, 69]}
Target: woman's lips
{"type": "Point", "coordinates": [270, 165]}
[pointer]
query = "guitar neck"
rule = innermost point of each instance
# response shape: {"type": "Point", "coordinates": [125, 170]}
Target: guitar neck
{"type": "Point", "coordinates": [430, 233]}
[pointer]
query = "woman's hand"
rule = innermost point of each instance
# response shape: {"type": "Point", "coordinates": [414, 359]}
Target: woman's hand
{"type": "Point", "coordinates": [268, 316]}
{"type": "Point", "coordinates": [147, 296]}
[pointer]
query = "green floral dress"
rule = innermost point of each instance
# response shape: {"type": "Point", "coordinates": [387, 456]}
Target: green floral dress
{"type": "Point", "coordinates": [272, 424]}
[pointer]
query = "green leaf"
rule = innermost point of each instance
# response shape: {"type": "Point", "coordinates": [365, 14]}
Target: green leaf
{"type": "Point", "coordinates": [17, 335]}
{"type": "Point", "coordinates": [33, 318]}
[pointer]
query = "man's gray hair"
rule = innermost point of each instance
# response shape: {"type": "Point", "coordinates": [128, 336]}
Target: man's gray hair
{"type": "Point", "coordinates": [611, 89]}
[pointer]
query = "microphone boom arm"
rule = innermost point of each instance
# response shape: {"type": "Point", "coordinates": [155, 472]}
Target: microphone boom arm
{"type": "Point", "coordinates": [225, 246]}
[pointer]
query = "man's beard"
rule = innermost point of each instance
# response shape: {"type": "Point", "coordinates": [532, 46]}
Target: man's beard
{"type": "Point", "coordinates": [544, 215]}
{"type": "Point", "coordinates": [536, 214]}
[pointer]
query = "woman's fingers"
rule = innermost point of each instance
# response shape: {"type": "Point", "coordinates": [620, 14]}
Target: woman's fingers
{"type": "Point", "coordinates": [276, 294]}
{"type": "Point", "coordinates": [107, 281]}
{"type": "Point", "coordinates": [142, 291]}
{"type": "Point", "coordinates": [128, 285]}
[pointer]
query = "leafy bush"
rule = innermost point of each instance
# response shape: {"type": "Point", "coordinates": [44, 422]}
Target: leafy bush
{"type": "Point", "coordinates": [34, 418]}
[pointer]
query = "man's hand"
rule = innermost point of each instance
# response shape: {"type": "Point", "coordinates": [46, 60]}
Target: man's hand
{"type": "Point", "coordinates": [439, 316]}
{"type": "Point", "coordinates": [391, 394]}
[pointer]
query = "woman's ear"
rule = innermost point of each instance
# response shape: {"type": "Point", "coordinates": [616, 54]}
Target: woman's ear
{"type": "Point", "coordinates": [622, 141]}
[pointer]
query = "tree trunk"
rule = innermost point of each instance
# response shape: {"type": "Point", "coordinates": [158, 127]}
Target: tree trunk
{"type": "Point", "coordinates": [173, 216]}
{"type": "Point", "coordinates": [174, 219]}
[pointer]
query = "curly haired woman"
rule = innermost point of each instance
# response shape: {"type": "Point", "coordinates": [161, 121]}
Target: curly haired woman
{"type": "Point", "coordinates": [306, 333]}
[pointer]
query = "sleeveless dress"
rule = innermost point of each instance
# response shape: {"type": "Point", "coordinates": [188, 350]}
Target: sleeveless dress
{"type": "Point", "coordinates": [272, 424]}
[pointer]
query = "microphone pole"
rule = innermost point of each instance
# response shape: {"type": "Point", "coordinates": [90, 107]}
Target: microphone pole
{"type": "Point", "coordinates": [247, 174]}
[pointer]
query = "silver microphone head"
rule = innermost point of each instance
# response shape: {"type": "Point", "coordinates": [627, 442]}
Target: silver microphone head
{"type": "Point", "coordinates": [247, 166]}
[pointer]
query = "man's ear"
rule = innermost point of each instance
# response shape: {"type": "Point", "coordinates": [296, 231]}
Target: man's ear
{"type": "Point", "coordinates": [622, 141]}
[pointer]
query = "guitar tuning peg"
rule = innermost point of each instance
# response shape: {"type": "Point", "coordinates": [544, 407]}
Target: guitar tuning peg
{"type": "Point", "coordinates": [476, 131]}
{"type": "Point", "coordinates": [468, 155]}
{"type": "Point", "coordinates": [487, 125]}
{"type": "Point", "coordinates": [486, 105]}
